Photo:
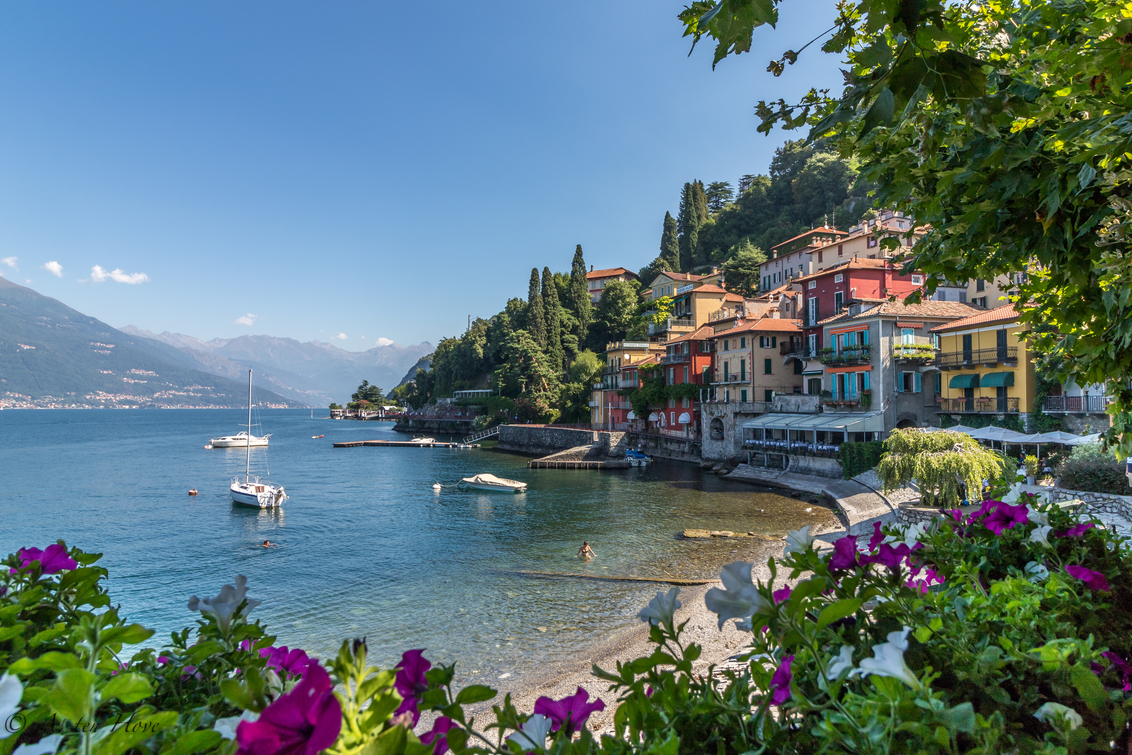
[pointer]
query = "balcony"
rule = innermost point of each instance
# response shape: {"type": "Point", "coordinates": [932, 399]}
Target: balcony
{"type": "Point", "coordinates": [674, 359]}
{"type": "Point", "coordinates": [671, 324]}
{"type": "Point", "coordinates": [916, 353]}
{"type": "Point", "coordinates": [986, 405]}
{"type": "Point", "coordinates": [847, 356]}
{"type": "Point", "coordinates": [953, 360]}
{"type": "Point", "coordinates": [787, 348]}
{"type": "Point", "coordinates": [726, 313]}
{"type": "Point", "coordinates": [1076, 404]}
{"type": "Point", "coordinates": [633, 383]}
{"type": "Point", "coordinates": [730, 379]}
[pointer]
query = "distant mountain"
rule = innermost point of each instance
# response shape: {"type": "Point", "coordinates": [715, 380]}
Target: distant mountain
{"type": "Point", "coordinates": [314, 373]}
{"type": "Point", "coordinates": [52, 355]}
{"type": "Point", "coordinates": [422, 364]}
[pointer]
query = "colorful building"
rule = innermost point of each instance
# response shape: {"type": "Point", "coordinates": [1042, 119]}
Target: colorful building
{"type": "Point", "coordinates": [686, 362]}
{"type": "Point", "coordinates": [605, 398]}
{"type": "Point", "coordinates": [596, 280]}
{"type": "Point", "coordinates": [749, 365]}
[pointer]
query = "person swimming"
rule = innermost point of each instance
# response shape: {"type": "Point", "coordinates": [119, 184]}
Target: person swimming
{"type": "Point", "coordinates": [585, 552]}
{"type": "Point", "coordinates": [268, 544]}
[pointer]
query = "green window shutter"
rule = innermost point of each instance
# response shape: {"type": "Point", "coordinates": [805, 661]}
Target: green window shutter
{"type": "Point", "coordinates": [742, 369]}
{"type": "Point", "coordinates": [768, 368]}
{"type": "Point", "coordinates": [743, 342]}
{"type": "Point", "coordinates": [768, 395]}
{"type": "Point", "coordinates": [743, 395]}
{"type": "Point", "coordinates": [900, 382]}
{"type": "Point", "coordinates": [916, 388]}
{"type": "Point", "coordinates": [774, 342]}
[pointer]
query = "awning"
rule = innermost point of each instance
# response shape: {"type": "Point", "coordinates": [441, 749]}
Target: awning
{"type": "Point", "coordinates": [853, 422]}
{"type": "Point", "coordinates": [685, 418]}
{"type": "Point", "coordinates": [814, 372]}
{"type": "Point", "coordinates": [964, 381]}
{"type": "Point", "coordinates": [996, 379]}
{"type": "Point", "coordinates": [630, 415]}
{"type": "Point", "coordinates": [654, 417]}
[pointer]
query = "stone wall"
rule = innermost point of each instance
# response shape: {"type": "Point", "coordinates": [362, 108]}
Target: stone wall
{"type": "Point", "coordinates": [800, 403]}
{"type": "Point", "coordinates": [1095, 503]}
{"type": "Point", "coordinates": [723, 439]}
{"type": "Point", "coordinates": [817, 466]}
{"type": "Point", "coordinates": [543, 439]}
{"type": "Point", "coordinates": [1084, 424]}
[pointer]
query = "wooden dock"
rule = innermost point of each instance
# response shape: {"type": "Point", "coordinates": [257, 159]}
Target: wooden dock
{"type": "Point", "coordinates": [569, 464]}
{"type": "Point", "coordinates": [402, 444]}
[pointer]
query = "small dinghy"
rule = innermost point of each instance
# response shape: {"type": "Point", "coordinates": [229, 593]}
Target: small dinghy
{"type": "Point", "coordinates": [491, 482]}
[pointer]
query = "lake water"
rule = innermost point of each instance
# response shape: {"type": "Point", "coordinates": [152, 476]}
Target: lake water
{"type": "Point", "coordinates": [366, 546]}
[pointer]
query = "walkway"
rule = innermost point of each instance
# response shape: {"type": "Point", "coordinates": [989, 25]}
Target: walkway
{"type": "Point", "coordinates": [858, 503]}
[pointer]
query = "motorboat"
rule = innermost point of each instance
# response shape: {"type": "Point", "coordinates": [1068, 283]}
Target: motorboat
{"type": "Point", "coordinates": [240, 440]}
{"type": "Point", "coordinates": [636, 458]}
{"type": "Point", "coordinates": [254, 491]}
{"type": "Point", "coordinates": [423, 440]}
{"type": "Point", "coordinates": [491, 482]}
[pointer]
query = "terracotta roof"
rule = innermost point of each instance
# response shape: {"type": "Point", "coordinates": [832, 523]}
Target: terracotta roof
{"type": "Point", "coordinates": [823, 229]}
{"type": "Point", "coordinates": [926, 309]}
{"type": "Point", "coordinates": [784, 288]}
{"type": "Point", "coordinates": [612, 272]}
{"type": "Point", "coordinates": [708, 288]}
{"type": "Point", "coordinates": [686, 277]}
{"type": "Point", "coordinates": [857, 263]}
{"type": "Point", "coordinates": [650, 359]}
{"type": "Point", "coordinates": [734, 297]}
{"type": "Point", "coordinates": [699, 334]}
{"type": "Point", "coordinates": [982, 317]}
{"type": "Point", "coordinates": [763, 325]}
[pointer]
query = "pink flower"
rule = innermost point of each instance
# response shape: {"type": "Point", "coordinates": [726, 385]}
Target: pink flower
{"type": "Point", "coordinates": [294, 662]}
{"type": "Point", "coordinates": [410, 682]}
{"type": "Point", "coordinates": [305, 721]}
{"type": "Point", "coordinates": [1121, 665]}
{"type": "Point", "coordinates": [569, 713]}
{"type": "Point", "coordinates": [1077, 531]}
{"type": "Point", "coordinates": [781, 596]}
{"type": "Point", "coordinates": [888, 556]}
{"type": "Point", "coordinates": [1094, 580]}
{"type": "Point", "coordinates": [877, 537]}
{"type": "Point", "coordinates": [438, 737]}
{"type": "Point", "coordinates": [1005, 517]}
{"type": "Point", "coordinates": [844, 553]}
{"type": "Point", "coordinates": [52, 560]}
{"type": "Point", "coordinates": [780, 682]}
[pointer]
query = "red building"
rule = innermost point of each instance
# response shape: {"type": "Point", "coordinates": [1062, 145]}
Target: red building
{"type": "Point", "coordinates": [827, 292]}
{"type": "Point", "coordinates": [687, 361]}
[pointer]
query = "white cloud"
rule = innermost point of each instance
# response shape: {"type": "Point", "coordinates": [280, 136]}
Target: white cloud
{"type": "Point", "coordinates": [10, 262]}
{"type": "Point", "coordinates": [384, 341]}
{"type": "Point", "coordinates": [98, 275]}
{"type": "Point", "coordinates": [54, 268]}
{"type": "Point", "coordinates": [248, 319]}
{"type": "Point", "coordinates": [342, 336]}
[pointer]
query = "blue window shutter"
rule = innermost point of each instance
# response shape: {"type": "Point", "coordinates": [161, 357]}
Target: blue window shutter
{"type": "Point", "coordinates": [917, 385]}
{"type": "Point", "coordinates": [833, 385]}
{"type": "Point", "coordinates": [866, 380]}
{"type": "Point", "coordinates": [865, 338]}
{"type": "Point", "coordinates": [900, 382]}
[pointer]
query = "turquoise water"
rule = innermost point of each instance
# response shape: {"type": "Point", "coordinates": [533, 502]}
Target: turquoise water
{"type": "Point", "coordinates": [366, 546]}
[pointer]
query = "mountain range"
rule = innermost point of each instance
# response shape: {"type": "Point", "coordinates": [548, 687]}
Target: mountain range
{"type": "Point", "coordinates": [313, 373]}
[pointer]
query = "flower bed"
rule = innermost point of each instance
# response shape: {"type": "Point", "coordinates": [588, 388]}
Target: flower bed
{"type": "Point", "coordinates": [999, 629]}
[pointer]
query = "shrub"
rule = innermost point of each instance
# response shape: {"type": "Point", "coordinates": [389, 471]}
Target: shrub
{"type": "Point", "coordinates": [856, 458]}
{"type": "Point", "coordinates": [941, 463]}
{"type": "Point", "coordinates": [1089, 468]}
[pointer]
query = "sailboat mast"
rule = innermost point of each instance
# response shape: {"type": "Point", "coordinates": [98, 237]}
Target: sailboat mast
{"type": "Point", "coordinates": [248, 463]}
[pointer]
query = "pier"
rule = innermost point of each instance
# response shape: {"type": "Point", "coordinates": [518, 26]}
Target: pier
{"type": "Point", "coordinates": [551, 463]}
{"type": "Point", "coordinates": [403, 444]}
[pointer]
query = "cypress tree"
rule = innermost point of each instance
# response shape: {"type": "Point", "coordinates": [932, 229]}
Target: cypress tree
{"type": "Point", "coordinates": [669, 244]}
{"type": "Point", "coordinates": [536, 313]}
{"type": "Point", "coordinates": [700, 213]}
{"type": "Point", "coordinates": [553, 314]}
{"type": "Point", "coordinates": [580, 295]}
{"type": "Point", "coordinates": [688, 227]}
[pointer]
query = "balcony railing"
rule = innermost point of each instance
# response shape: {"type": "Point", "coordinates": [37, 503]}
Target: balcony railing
{"type": "Point", "coordinates": [791, 347]}
{"type": "Point", "coordinates": [954, 359]}
{"type": "Point", "coordinates": [630, 383]}
{"type": "Point", "coordinates": [729, 379]}
{"type": "Point", "coordinates": [987, 405]}
{"type": "Point", "coordinates": [674, 358]}
{"type": "Point", "coordinates": [671, 323]}
{"type": "Point", "coordinates": [851, 355]}
{"type": "Point", "coordinates": [725, 313]}
{"type": "Point", "coordinates": [918, 353]}
{"type": "Point", "coordinates": [1076, 404]}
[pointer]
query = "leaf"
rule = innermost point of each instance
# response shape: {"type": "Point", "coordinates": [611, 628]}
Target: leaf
{"type": "Point", "coordinates": [70, 696]}
{"type": "Point", "coordinates": [128, 687]}
{"type": "Point", "coordinates": [389, 742]}
{"type": "Point", "coordinates": [1086, 175]}
{"type": "Point", "coordinates": [707, 17]}
{"type": "Point", "coordinates": [960, 718]}
{"type": "Point", "coordinates": [130, 733]}
{"type": "Point", "coordinates": [1088, 686]}
{"type": "Point", "coordinates": [476, 693]}
{"type": "Point", "coordinates": [838, 611]}
{"type": "Point", "coordinates": [127, 635]}
{"type": "Point", "coordinates": [53, 661]}
{"type": "Point", "coordinates": [195, 741]}
{"type": "Point", "coordinates": [880, 112]}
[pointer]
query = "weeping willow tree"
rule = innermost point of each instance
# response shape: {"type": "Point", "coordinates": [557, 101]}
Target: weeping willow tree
{"type": "Point", "coordinates": [938, 462]}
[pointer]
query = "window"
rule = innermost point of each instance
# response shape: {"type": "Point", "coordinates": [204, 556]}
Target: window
{"type": "Point", "coordinates": [725, 347]}
{"type": "Point", "coordinates": [838, 278]}
{"type": "Point", "coordinates": [938, 383]}
{"type": "Point", "coordinates": [726, 394]}
{"type": "Point", "coordinates": [812, 347]}
{"type": "Point", "coordinates": [726, 367]}
{"type": "Point", "coordinates": [743, 342]}
{"type": "Point", "coordinates": [813, 285]}
{"type": "Point", "coordinates": [671, 403]}
{"type": "Point", "coordinates": [871, 242]}
{"type": "Point", "coordinates": [768, 395]}
{"type": "Point", "coordinates": [685, 402]}
{"type": "Point", "coordinates": [906, 335]}
{"type": "Point", "coordinates": [980, 284]}
{"type": "Point", "coordinates": [917, 280]}
{"type": "Point", "coordinates": [672, 418]}
{"type": "Point", "coordinates": [768, 365]}
{"type": "Point", "coordinates": [743, 395]}
{"type": "Point", "coordinates": [797, 366]}
{"type": "Point", "coordinates": [840, 249]}
{"type": "Point", "coordinates": [685, 373]}
{"type": "Point", "coordinates": [838, 301]}
{"type": "Point", "coordinates": [963, 297]}
{"type": "Point", "coordinates": [819, 255]}
{"type": "Point", "coordinates": [671, 375]}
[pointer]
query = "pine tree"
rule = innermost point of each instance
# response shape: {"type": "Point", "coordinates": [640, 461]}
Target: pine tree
{"type": "Point", "coordinates": [700, 207]}
{"type": "Point", "coordinates": [688, 228]}
{"type": "Point", "coordinates": [536, 313]}
{"type": "Point", "coordinates": [719, 195]}
{"type": "Point", "coordinates": [553, 310]}
{"type": "Point", "coordinates": [669, 244]}
{"type": "Point", "coordinates": [580, 296]}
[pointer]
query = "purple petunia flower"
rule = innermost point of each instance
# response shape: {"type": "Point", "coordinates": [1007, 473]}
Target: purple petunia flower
{"type": "Point", "coordinates": [294, 662]}
{"type": "Point", "coordinates": [1122, 666]}
{"type": "Point", "coordinates": [1004, 517]}
{"type": "Point", "coordinates": [888, 556]}
{"type": "Point", "coordinates": [410, 682]}
{"type": "Point", "coordinates": [52, 559]}
{"type": "Point", "coordinates": [780, 682]}
{"type": "Point", "coordinates": [1093, 579]}
{"type": "Point", "coordinates": [438, 737]}
{"type": "Point", "coordinates": [844, 553]}
{"type": "Point", "coordinates": [569, 713]}
{"type": "Point", "coordinates": [877, 537]}
{"type": "Point", "coordinates": [304, 721]}
{"type": "Point", "coordinates": [1077, 531]}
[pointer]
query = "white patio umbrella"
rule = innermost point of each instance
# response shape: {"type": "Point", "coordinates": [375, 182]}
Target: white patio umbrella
{"type": "Point", "coordinates": [1079, 439]}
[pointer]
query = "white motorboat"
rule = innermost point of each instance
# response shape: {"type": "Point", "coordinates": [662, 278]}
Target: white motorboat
{"type": "Point", "coordinates": [240, 440]}
{"type": "Point", "coordinates": [254, 491]}
{"type": "Point", "coordinates": [491, 482]}
{"type": "Point", "coordinates": [423, 440]}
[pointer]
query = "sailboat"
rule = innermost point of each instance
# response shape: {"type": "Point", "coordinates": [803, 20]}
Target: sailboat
{"type": "Point", "coordinates": [252, 491]}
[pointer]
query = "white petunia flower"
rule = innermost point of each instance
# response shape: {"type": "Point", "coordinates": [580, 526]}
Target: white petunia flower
{"type": "Point", "coordinates": [888, 659]}
{"type": "Point", "coordinates": [224, 605]}
{"type": "Point", "coordinates": [909, 535]}
{"type": "Point", "coordinates": [533, 734]}
{"type": "Point", "coordinates": [1041, 535]}
{"type": "Point", "coordinates": [661, 609]}
{"type": "Point", "coordinates": [1058, 712]}
{"type": "Point", "coordinates": [46, 746]}
{"type": "Point", "coordinates": [1037, 517]}
{"type": "Point", "coordinates": [1036, 572]}
{"type": "Point", "coordinates": [227, 726]}
{"type": "Point", "coordinates": [10, 693]}
{"type": "Point", "coordinates": [798, 541]}
{"type": "Point", "coordinates": [739, 598]}
{"type": "Point", "coordinates": [841, 662]}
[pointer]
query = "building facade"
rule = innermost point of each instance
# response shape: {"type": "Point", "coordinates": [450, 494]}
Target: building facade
{"type": "Point", "coordinates": [605, 398]}
{"type": "Point", "coordinates": [596, 280]}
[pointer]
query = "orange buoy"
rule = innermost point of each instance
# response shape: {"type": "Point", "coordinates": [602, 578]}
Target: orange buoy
{"type": "Point", "coordinates": [193, 491]}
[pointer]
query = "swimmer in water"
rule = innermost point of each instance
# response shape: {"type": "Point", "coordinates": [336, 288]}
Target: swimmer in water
{"type": "Point", "coordinates": [585, 552]}
{"type": "Point", "coordinates": [268, 544]}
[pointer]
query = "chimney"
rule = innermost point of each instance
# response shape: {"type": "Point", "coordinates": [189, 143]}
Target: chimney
{"type": "Point", "coordinates": [591, 268]}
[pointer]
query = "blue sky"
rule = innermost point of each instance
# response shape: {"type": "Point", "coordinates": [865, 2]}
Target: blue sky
{"type": "Point", "coordinates": [368, 170]}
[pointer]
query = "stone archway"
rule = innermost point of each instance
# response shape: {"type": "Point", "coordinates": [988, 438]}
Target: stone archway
{"type": "Point", "coordinates": [716, 429]}
{"type": "Point", "coordinates": [904, 421]}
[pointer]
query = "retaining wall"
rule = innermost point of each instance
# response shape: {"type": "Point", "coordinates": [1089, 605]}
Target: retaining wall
{"type": "Point", "coordinates": [1095, 503]}
{"type": "Point", "coordinates": [542, 439]}
{"type": "Point", "coordinates": [817, 466]}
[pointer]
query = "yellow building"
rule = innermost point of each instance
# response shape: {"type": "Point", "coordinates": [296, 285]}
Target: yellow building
{"type": "Point", "coordinates": [984, 366]}
{"type": "Point", "coordinates": [605, 398]}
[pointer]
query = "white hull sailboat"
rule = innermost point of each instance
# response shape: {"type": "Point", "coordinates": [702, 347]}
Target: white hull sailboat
{"type": "Point", "coordinates": [497, 484]}
{"type": "Point", "coordinates": [253, 491]}
{"type": "Point", "coordinates": [240, 440]}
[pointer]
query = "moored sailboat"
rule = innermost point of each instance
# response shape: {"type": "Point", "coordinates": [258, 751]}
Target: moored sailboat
{"type": "Point", "coordinates": [254, 491]}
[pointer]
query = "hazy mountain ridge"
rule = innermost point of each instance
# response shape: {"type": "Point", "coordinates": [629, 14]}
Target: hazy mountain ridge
{"type": "Point", "coordinates": [52, 355]}
{"type": "Point", "coordinates": [313, 372]}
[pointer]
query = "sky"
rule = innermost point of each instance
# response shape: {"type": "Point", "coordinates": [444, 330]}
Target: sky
{"type": "Point", "coordinates": [359, 173]}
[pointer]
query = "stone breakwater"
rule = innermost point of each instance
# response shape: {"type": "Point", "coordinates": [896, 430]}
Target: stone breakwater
{"type": "Point", "coordinates": [543, 440]}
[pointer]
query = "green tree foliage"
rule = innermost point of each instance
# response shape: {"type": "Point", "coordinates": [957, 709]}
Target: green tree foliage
{"type": "Point", "coordinates": [575, 395]}
{"type": "Point", "coordinates": [669, 247]}
{"type": "Point", "coordinates": [719, 195]}
{"type": "Point", "coordinates": [1006, 128]}
{"type": "Point", "coordinates": [1090, 469]}
{"type": "Point", "coordinates": [579, 302]}
{"type": "Point", "coordinates": [370, 393]}
{"type": "Point", "coordinates": [938, 462]}
{"type": "Point", "coordinates": [688, 226]}
{"type": "Point", "coordinates": [553, 310]}
{"type": "Point", "coordinates": [526, 371]}
{"type": "Point", "coordinates": [614, 314]}
{"type": "Point", "coordinates": [536, 312]}
{"type": "Point", "coordinates": [742, 271]}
